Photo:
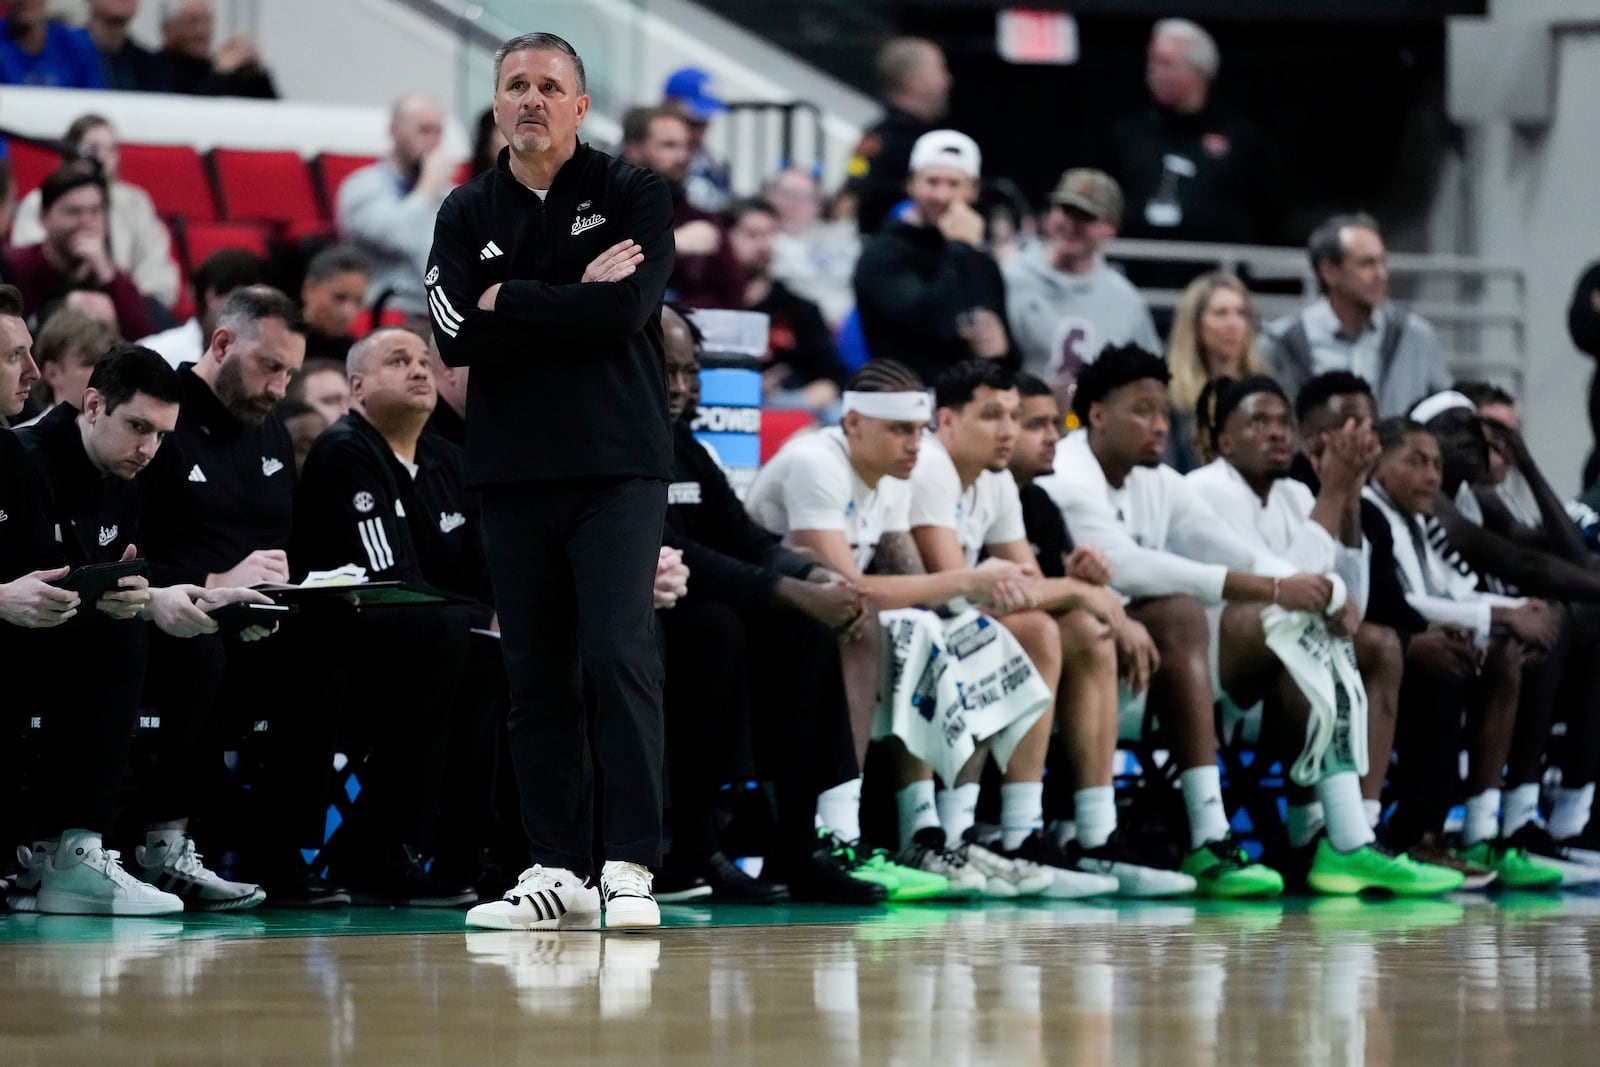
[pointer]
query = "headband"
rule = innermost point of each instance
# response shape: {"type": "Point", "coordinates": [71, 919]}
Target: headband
{"type": "Point", "coordinates": [910, 406]}
{"type": "Point", "coordinates": [1439, 403]}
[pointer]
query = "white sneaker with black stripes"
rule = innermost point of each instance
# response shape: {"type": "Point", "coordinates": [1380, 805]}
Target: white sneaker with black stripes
{"type": "Point", "coordinates": [544, 898]}
{"type": "Point", "coordinates": [169, 862]}
{"type": "Point", "coordinates": [629, 901]}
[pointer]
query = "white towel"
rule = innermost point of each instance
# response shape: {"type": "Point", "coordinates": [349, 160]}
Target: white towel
{"type": "Point", "coordinates": [952, 683]}
{"type": "Point", "coordinates": [1324, 667]}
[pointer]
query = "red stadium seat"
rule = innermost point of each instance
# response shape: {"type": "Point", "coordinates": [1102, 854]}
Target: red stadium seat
{"type": "Point", "coordinates": [201, 238]}
{"type": "Point", "coordinates": [175, 177]}
{"type": "Point", "coordinates": [31, 165]}
{"type": "Point", "coordinates": [332, 169]}
{"type": "Point", "coordinates": [364, 325]}
{"type": "Point", "coordinates": [270, 187]}
{"type": "Point", "coordinates": [780, 424]}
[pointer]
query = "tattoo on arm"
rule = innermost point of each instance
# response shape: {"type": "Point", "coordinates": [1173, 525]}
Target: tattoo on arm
{"type": "Point", "coordinates": [897, 554]}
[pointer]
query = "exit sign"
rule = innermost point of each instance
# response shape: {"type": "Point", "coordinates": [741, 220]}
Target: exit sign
{"type": "Point", "coordinates": [1028, 35]}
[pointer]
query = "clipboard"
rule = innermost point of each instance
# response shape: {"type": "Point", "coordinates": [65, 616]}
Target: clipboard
{"type": "Point", "coordinates": [361, 595]}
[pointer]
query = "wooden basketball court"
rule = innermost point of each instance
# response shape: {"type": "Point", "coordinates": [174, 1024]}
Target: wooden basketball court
{"type": "Point", "coordinates": [1473, 979]}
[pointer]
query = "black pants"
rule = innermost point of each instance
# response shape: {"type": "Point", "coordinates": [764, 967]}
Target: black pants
{"type": "Point", "coordinates": [775, 673]}
{"type": "Point", "coordinates": [573, 564]}
{"type": "Point", "coordinates": [1429, 737]}
{"type": "Point", "coordinates": [82, 681]}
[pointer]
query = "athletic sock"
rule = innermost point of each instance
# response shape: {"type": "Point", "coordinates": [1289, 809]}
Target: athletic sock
{"type": "Point", "coordinates": [1096, 815]}
{"type": "Point", "coordinates": [958, 810]}
{"type": "Point", "coordinates": [1021, 812]}
{"type": "Point", "coordinates": [917, 810]}
{"type": "Point", "coordinates": [1062, 831]}
{"type": "Point", "coordinates": [1518, 807]}
{"type": "Point", "coordinates": [1482, 811]}
{"type": "Point", "coordinates": [1374, 810]}
{"type": "Point", "coordinates": [1304, 822]}
{"type": "Point", "coordinates": [1202, 795]}
{"type": "Point", "coordinates": [839, 809]}
{"type": "Point", "coordinates": [1340, 794]}
{"type": "Point", "coordinates": [1569, 813]}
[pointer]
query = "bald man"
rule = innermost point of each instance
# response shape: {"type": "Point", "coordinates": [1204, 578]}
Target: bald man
{"type": "Point", "coordinates": [387, 209]}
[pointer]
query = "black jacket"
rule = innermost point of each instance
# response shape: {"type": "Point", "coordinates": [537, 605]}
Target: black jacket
{"type": "Point", "coordinates": [912, 287]}
{"type": "Point", "coordinates": [217, 491]}
{"type": "Point", "coordinates": [881, 165]}
{"type": "Point", "coordinates": [357, 503]}
{"type": "Point", "coordinates": [729, 557]}
{"type": "Point", "coordinates": [1047, 531]}
{"type": "Point", "coordinates": [92, 517]}
{"type": "Point", "coordinates": [568, 378]}
{"type": "Point", "coordinates": [25, 535]}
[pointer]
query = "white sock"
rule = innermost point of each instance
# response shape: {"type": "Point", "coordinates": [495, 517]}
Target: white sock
{"type": "Point", "coordinates": [1570, 812]}
{"type": "Point", "coordinates": [1062, 831]}
{"type": "Point", "coordinates": [839, 810]}
{"type": "Point", "coordinates": [1021, 812]}
{"type": "Point", "coordinates": [1304, 823]}
{"type": "Point", "coordinates": [1481, 812]}
{"type": "Point", "coordinates": [1341, 805]}
{"type": "Point", "coordinates": [1095, 809]}
{"type": "Point", "coordinates": [1517, 809]}
{"type": "Point", "coordinates": [1202, 795]}
{"type": "Point", "coordinates": [958, 810]}
{"type": "Point", "coordinates": [917, 812]}
{"type": "Point", "coordinates": [1374, 810]}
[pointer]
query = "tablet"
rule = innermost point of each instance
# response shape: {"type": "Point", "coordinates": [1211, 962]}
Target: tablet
{"type": "Point", "coordinates": [97, 579]}
{"type": "Point", "coordinates": [232, 619]}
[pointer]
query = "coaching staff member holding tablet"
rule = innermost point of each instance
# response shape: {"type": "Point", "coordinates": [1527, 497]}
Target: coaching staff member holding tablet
{"type": "Point", "coordinates": [546, 278]}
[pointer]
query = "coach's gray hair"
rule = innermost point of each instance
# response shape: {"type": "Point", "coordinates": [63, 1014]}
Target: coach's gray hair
{"type": "Point", "coordinates": [1201, 50]}
{"type": "Point", "coordinates": [243, 310]}
{"type": "Point", "coordinates": [541, 42]}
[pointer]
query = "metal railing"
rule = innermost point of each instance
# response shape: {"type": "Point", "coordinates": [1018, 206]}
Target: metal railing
{"type": "Point", "coordinates": [1477, 306]}
{"type": "Point", "coordinates": [766, 136]}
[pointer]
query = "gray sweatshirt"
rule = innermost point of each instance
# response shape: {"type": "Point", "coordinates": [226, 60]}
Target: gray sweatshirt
{"type": "Point", "coordinates": [1061, 321]}
{"type": "Point", "coordinates": [392, 225]}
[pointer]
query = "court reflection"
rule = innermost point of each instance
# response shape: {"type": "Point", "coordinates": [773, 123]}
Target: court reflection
{"type": "Point", "coordinates": [1329, 982]}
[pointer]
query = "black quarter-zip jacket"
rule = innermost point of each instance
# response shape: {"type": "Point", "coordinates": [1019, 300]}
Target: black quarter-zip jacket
{"type": "Point", "coordinates": [217, 490]}
{"type": "Point", "coordinates": [92, 517]}
{"type": "Point", "coordinates": [24, 531]}
{"type": "Point", "coordinates": [359, 504]}
{"type": "Point", "coordinates": [568, 377]}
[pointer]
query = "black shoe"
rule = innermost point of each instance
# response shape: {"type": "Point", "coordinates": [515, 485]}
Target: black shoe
{"type": "Point", "coordinates": [730, 885]}
{"type": "Point", "coordinates": [678, 887]}
{"type": "Point", "coordinates": [303, 890]}
{"type": "Point", "coordinates": [481, 872]}
{"type": "Point", "coordinates": [824, 878]}
{"type": "Point", "coordinates": [398, 878]}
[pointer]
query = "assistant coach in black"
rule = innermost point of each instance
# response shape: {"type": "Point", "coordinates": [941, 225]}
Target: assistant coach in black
{"type": "Point", "coordinates": [546, 278]}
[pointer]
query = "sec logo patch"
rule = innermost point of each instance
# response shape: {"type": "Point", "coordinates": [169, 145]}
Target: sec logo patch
{"type": "Point", "coordinates": [364, 502]}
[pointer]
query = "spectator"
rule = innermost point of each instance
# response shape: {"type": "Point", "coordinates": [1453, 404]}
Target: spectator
{"type": "Point", "coordinates": [331, 298]}
{"type": "Point", "coordinates": [68, 348]}
{"type": "Point", "coordinates": [37, 50]}
{"type": "Point", "coordinates": [1213, 336]}
{"type": "Point", "coordinates": [1192, 171]}
{"type": "Point", "coordinates": [8, 190]}
{"type": "Point", "coordinates": [324, 386]}
{"type": "Point", "coordinates": [704, 274]}
{"type": "Point", "coordinates": [73, 254]}
{"type": "Point", "coordinates": [915, 88]}
{"type": "Point", "coordinates": [1354, 327]}
{"type": "Point", "coordinates": [1583, 324]}
{"type": "Point", "coordinates": [487, 140]}
{"type": "Point", "coordinates": [220, 274]}
{"type": "Point", "coordinates": [387, 210]}
{"type": "Point", "coordinates": [813, 256]}
{"type": "Point", "coordinates": [927, 293]}
{"type": "Point", "coordinates": [140, 243]}
{"type": "Point", "coordinates": [235, 70]}
{"type": "Point", "coordinates": [803, 367]}
{"type": "Point", "coordinates": [1064, 303]}
{"type": "Point", "coordinates": [709, 185]}
{"type": "Point", "coordinates": [305, 424]}
{"type": "Point", "coordinates": [126, 65]}
{"type": "Point", "coordinates": [449, 418]}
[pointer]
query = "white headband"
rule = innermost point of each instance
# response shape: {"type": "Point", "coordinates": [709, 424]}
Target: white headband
{"type": "Point", "coordinates": [1439, 403]}
{"type": "Point", "coordinates": [911, 406]}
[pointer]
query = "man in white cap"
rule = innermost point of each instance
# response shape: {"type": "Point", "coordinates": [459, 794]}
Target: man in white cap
{"type": "Point", "coordinates": [928, 294]}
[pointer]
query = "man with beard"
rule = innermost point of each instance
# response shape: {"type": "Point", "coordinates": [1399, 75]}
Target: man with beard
{"type": "Point", "coordinates": [387, 209]}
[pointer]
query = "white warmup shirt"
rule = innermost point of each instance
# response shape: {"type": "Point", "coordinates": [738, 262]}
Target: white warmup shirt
{"type": "Point", "coordinates": [1162, 538]}
{"type": "Point", "coordinates": [1281, 527]}
{"type": "Point", "coordinates": [1442, 589]}
{"type": "Point", "coordinates": [987, 512]}
{"type": "Point", "coordinates": [810, 485]}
